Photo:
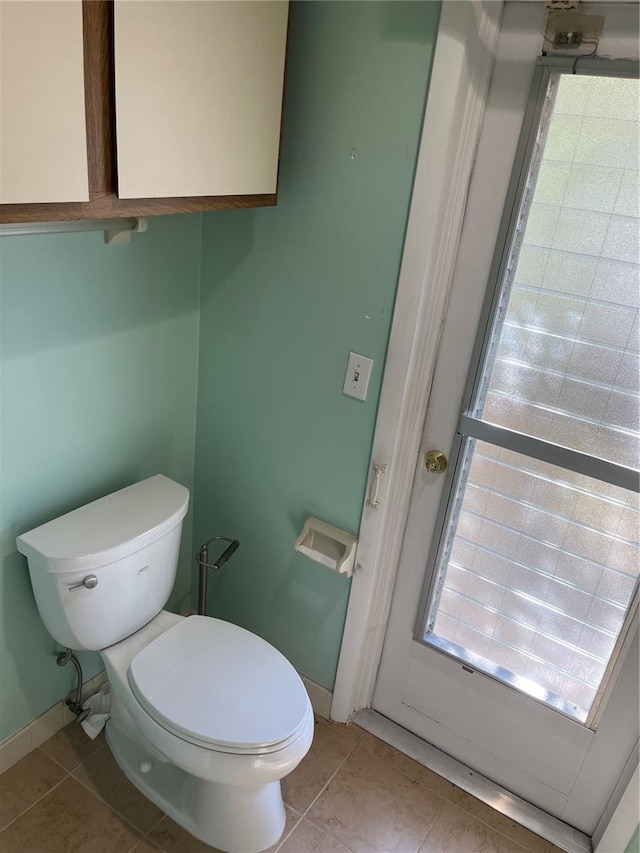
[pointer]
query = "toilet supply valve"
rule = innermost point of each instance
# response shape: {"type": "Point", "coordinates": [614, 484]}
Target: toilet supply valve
{"type": "Point", "coordinates": [202, 559]}
{"type": "Point", "coordinates": [74, 703]}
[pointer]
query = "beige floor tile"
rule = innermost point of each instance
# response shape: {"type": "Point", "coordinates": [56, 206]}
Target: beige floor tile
{"type": "Point", "coordinates": [331, 745]}
{"type": "Point", "coordinates": [172, 838]}
{"type": "Point", "coordinates": [68, 820]}
{"type": "Point", "coordinates": [369, 806]}
{"type": "Point", "coordinates": [527, 839]}
{"type": "Point", "coordinates": [103, 777]}
{"type": "Point", "coordinates": [26, 782]}
{"type": "Point", "coordinates": [398, 761]}
{"type": "Point", "coordinates": [71, 746]}
{"type": "Point", "coordinates": [456, 831]}
{"type": "Point", "coordinates": [378, 800]}
{"type": "Point", "coordinates": [307, 838]}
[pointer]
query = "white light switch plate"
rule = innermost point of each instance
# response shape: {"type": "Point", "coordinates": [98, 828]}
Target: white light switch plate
{"type": "Point", "coordinates": [356, 381]}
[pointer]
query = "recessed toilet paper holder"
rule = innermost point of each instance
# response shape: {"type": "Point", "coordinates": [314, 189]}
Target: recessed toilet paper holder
{"type": "Point", "coordinates": [328, 545]}
{"type": "Point", "coordinates": [202, 559]}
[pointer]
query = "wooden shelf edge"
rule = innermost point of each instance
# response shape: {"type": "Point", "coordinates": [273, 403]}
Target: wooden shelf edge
{"type": "Point", "coordinates": [108, 206]}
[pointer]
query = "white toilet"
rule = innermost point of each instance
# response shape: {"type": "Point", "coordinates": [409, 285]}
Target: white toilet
{"type": "Point", "coordinates": [206, 717]}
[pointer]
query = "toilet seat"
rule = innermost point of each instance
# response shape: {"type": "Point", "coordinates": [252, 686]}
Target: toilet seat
{"type": "Point", "coordinates": [220, 687]}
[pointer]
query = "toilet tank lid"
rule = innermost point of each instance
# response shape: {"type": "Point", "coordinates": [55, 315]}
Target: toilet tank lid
{"type": "Point", "coordinates": [109, 528]}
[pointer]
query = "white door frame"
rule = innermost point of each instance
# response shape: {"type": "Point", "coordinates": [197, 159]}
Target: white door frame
{"type": "Point", "coordinates": [464, 56]}
{"type": "Point", "coordinates": [620, 819]}
{"type": "Point", "coordinates": [463, 61]}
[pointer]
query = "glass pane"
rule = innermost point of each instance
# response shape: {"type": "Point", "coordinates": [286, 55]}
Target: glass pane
{"type": "Point", "coordinates": [564, 362]}
{"type": "Point", "coordinates": [540, 565]}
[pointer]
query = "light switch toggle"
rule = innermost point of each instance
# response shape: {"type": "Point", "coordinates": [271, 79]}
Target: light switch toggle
{"type": "Point", "coordinates": [356, 380]}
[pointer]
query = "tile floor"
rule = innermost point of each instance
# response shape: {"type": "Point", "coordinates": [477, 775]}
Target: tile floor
{"type": "Point", "coordinates": [352, 793]}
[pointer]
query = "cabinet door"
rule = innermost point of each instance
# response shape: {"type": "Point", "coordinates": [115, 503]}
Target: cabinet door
{"type": "Point", "coordinates": [198, 96]}
{"type": "Point", "coordinates": [43, 144]}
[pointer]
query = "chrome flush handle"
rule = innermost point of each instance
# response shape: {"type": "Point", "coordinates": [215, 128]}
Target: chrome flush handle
{"type": "Point", "coordinates": [90, 582]}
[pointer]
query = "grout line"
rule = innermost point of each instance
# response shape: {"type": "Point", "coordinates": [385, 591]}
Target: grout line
{"type": "Point", "coordinates": [55, 760]}
{"type": "Point", "coordinates": [35, 803]}
{"type": "Point", "coordinates": [493, 828]}
{"type": "Point", "coordinates": [445, 800]}
{"type": "Point", "coordinates": [514, 809]}
{"type": "Point", "coordinates": [332, 777]}
{"type": "Point", "coordinates": [324, 788]}
{"type": "Point", "coordinates": [110, 806]}
{"type": "Point", "coordinates": [324, 832]}
{"type": "Point", "coordinates": [282, 840]}
{"type": "Point", "coordinates": [71, 774]}
{"type": "Point", "coordinates": [75, 766]}
{"type": "Point", "coordinates": [155, 825]}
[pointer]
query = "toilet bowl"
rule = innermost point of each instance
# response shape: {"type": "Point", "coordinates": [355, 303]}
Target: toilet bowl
{"type": "Point", "coordinates": [169, 681]}
{"type": "Point", "coordinates": [207, 718]}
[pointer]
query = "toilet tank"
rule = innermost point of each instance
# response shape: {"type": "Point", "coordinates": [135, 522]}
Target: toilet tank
{"type": "Point", "coordinates": [103, 571]}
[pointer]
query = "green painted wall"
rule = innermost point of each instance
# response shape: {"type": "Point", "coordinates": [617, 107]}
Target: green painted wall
{"type": "Point", "coordinates": [98, 351]}
{"type": "Point", "coordinates": [286, 294]}
{"type": "Point", "coordinates": [634, 842]}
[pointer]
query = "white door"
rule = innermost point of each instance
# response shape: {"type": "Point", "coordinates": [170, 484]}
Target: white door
{"type": "Point", "coordinates": [512, 642]}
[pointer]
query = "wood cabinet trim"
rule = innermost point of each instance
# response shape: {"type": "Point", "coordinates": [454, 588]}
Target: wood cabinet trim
{"type": "Point", "coordinates": [109, 206]}
{"type": "Point", "coordinates": [97, 20]}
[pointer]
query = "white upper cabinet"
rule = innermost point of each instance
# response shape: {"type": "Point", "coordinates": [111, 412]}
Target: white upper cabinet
{"type": "Point", "coordinates": [43, 143]}
{"type": "Point", "coordinates": [198, 96]}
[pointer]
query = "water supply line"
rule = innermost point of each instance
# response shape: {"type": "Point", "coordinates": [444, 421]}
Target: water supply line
{"type": "Point", "coordinates": [74, 703]}
{"type": "Point", "coordinates": [202, 559]}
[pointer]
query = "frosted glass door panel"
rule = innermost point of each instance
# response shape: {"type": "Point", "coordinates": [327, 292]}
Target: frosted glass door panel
{"type": "Point", "coordinates": [43, 146]}
{"type": "Point", "coordinates": [542, 566]}
{"type": "Point", "coordinates": [565, 361]}
{"type": "Point", "coordinates": [538, 565]}
{"type": "Point", "coordinates": [198, 96]}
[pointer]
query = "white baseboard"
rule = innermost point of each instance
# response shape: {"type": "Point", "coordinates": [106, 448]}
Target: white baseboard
{"type": "Point", "coordinates": [15, 747]}
{"type": "Point", "coordinates": [321, 698]}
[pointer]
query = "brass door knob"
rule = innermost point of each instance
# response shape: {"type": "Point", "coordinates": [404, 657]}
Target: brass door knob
{"type": "Point", "coordinates": [435, 461]}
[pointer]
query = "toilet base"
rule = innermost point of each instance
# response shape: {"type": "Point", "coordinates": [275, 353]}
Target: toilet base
{"type": "Point", "coordinates": [230, 817]}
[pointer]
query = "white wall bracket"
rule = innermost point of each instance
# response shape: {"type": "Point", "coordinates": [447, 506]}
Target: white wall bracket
{"type": "Point", "coordinates": [120, 232]}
